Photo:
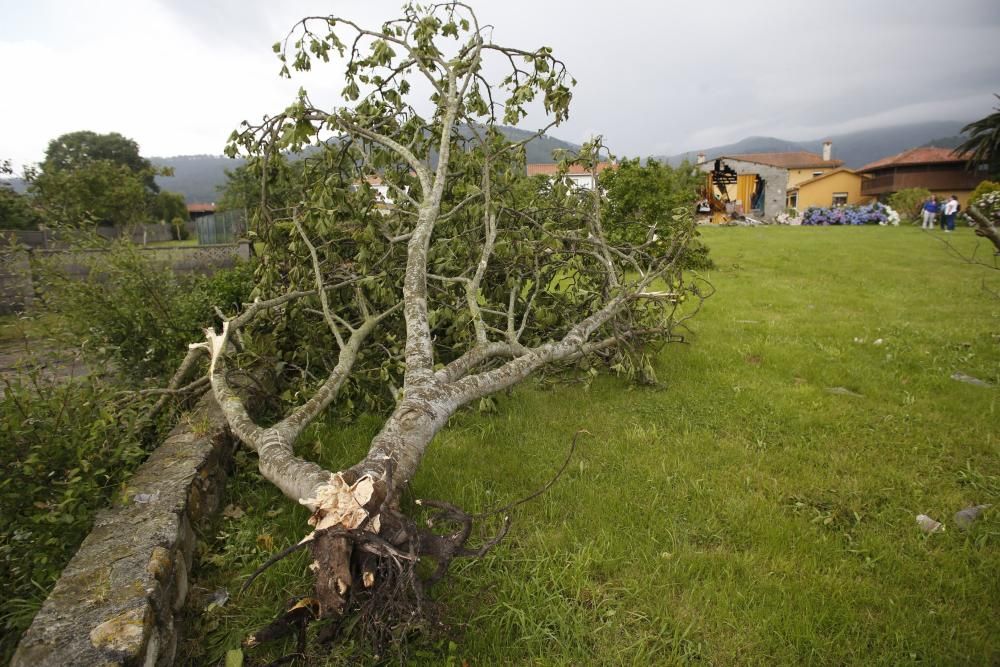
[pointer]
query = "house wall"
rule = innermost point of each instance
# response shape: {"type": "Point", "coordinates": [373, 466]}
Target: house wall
{"type": "Point", "coordinates": [821, 192]}
{"type": "Point", "coordinates": [775, 187]}
{"type": "Point", "coordinates": [948, 177]}
{"type": "Point", "coordinates": [796, 176]}
{"type": "Point", "coordinates": [585, 181]}
{"type": "Point", "coordinates": [945, 195]}
{"type": "Point", "coordinates": [942, 181]}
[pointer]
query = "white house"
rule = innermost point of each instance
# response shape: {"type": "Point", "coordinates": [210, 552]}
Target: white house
{"type": "Point", "coordinates": [576, 175]}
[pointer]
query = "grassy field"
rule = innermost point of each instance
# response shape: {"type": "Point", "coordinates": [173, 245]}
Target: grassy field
{"type": "Point", "coordinates": [742, 512]}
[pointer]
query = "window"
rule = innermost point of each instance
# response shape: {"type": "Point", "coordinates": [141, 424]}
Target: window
{"type": "Point", "coordinates": [840, 199]}
{"type": "Point", "coordinates": [793, 200]}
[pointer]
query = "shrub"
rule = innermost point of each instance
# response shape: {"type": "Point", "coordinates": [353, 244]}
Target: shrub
{"type": "Point", "coordinates": [983, 188]}
{"type": "Point", "coordinates": [65, 446]}
{"type": "Point", "coordinates": [988, 203]}
{"type": "Point", "coordinates": [909, 202]}
{"type": "Point", "coordinates": [137, 313]}
{"type": "Point", "coordinates": [63, 451]}
{"type": "Point", "coordinates": [872, 214]}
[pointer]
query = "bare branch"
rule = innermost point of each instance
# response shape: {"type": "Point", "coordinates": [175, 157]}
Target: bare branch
{"type": "Point", "coordinates": [331, 320]}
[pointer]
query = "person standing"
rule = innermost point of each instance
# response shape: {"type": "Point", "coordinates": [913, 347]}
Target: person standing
{"type": "Point", "coordinates": [948, 214]}
{"type": "Point", "coordinates": [930, 211]}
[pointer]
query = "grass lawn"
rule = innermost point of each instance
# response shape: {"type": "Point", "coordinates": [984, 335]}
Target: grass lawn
{"type": "Point", "coordinates": [741, 513]}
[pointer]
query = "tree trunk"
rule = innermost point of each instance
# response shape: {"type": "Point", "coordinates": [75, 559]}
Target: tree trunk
{"type": "Point", "coordinates": [366, 497]}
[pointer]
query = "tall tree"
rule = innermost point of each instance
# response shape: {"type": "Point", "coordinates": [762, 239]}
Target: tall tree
{"type": "Point", "coordinates": [166, 206]}
{"type": "Point", "coordinates": [89, 178]}
{"type": "Point", "coordinates": [468, 281]}
{"type": "Point", "coordinates": [983, 144]}
{"type": "Point", "coordinates": [74, 150]}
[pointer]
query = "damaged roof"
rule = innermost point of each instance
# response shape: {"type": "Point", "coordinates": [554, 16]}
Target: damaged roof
{"type": "Point", "coordinates": [787, 160]}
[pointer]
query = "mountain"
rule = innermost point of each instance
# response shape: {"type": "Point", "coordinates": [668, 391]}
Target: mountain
{"type": "Point", "coordinates": [748, 145]}
{"type": "Point", "coordinates": [200, 178]}
{"type": "Point", "coordinates": [538, 150]}
{"type": "Point", "coordinates": [946, 142]}
{"type": "Point", "coordinates": [18, 185]}
{"type": "Point", "coordinates": [856, 149]}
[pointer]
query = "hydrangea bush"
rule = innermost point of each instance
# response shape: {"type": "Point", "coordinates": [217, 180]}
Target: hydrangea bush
{"type": "Point", "coordinates": [988, 204]}
{"type": "Point", "coordinates": [870, 214]}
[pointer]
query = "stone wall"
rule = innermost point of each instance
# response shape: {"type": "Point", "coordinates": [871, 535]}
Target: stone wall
{"type": "Point", "coordinates": [116, 601]}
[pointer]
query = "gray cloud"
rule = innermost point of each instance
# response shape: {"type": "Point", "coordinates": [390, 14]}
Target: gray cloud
{"type": "Point", "coordinates": [653, 77]}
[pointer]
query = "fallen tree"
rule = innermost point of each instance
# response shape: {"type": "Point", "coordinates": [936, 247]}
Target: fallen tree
{"type": "Point", "coordinates": [461, 279]}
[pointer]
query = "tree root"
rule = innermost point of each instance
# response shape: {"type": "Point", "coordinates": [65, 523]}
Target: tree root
{"type": "Point", "coordinates": [374, 584]}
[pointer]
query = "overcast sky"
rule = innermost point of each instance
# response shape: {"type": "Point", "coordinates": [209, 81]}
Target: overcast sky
{"type": "Point", "coordinates": [654, 77]}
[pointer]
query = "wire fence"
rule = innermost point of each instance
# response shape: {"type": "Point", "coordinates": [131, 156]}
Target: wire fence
{"type": "Point", "coordinates": [222, 227]}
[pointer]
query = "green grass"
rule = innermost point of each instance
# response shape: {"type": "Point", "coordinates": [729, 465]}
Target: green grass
{"type": "Point", "coordinates": [739, 514]}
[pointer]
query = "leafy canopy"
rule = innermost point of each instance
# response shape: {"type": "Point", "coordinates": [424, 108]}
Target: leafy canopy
{"type": "Point", "coordinates": [547, 259]}
{"type": "Point", "coordinates": [983, 144]}
{"type": "Point", "coordinates": [97, 192]}
{"type": "Point", "coordinates": [89, 178]}
{"type": "Point", "coordinates": [72, 151]}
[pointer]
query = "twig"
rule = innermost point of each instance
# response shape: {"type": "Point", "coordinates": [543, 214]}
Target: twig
{"type": "Point", "coordinates": [546, 487]}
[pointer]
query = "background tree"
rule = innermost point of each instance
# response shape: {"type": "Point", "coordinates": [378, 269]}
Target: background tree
{"type": "Point", "coordinates": [983, 144]}
{"type": "Point", "coordinates": [97, 192]}
{"type": "Point", "coordinates": [89, 178]}
{"type": "Point", "coordinates": [245, 184]}
{"type": "Point", "coordinates": [168, 205]}
{"type": "Point", "coordinates": [16, 211]}
{"type": "Point", "coordinates": [75, 150]}
{"type": "Point", "coordinates": [469, 281]}
{"type": "Point", "coordinates": [640, 196]}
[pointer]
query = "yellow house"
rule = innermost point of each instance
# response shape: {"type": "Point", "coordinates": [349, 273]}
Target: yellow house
{"type": "Point", "coordinates": [757, 184]}
{"type": "Point", "coordinates": [834, 188]}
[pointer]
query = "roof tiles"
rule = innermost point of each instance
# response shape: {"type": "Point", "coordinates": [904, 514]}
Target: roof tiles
{"type": "Point", "coordinates": [924, 155]}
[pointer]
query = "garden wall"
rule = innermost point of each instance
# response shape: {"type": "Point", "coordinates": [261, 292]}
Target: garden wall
{"type": "Point", "coordinates": [16, 289]}
{"type": "Point", "coordinates": [17, 281]}
{"type": "Point", "coordinates": [52, 239]}
{"type": "Point", "coordinates": [117, 600]}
